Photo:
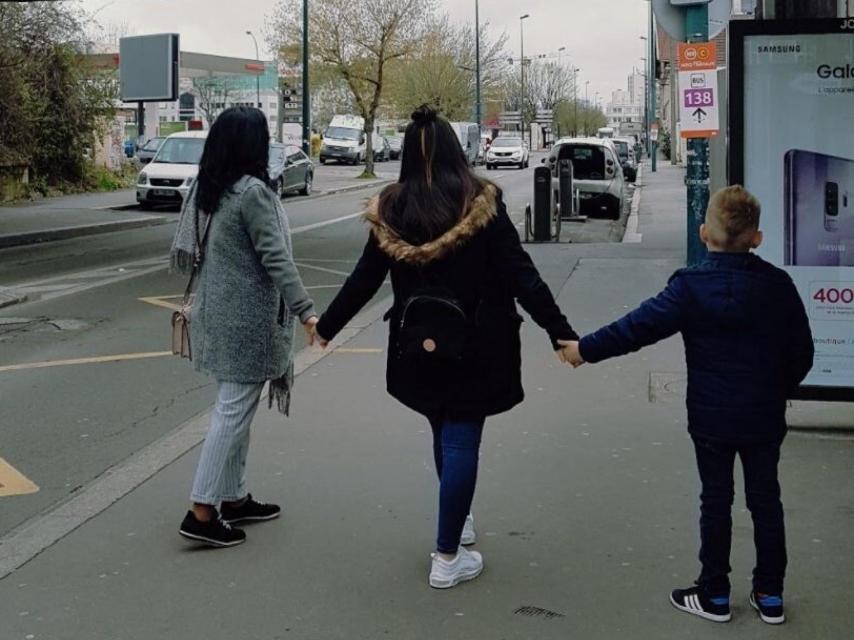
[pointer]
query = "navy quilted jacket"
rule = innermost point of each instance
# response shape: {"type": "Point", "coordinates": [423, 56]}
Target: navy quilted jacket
{"type": "Point", "coordinates": [747, 340]}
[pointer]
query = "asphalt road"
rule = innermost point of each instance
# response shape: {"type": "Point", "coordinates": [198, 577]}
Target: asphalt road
{"type": "Point", "coordinates": [102, 303]}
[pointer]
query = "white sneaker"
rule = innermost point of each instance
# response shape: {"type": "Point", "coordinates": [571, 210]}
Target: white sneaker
{"type": "Point", "coordinates": [469, 537]}
{"type": "Point", "coordinates": [466, 566]}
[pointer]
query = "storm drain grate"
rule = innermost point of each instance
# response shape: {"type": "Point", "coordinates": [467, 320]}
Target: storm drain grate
{"type": "Point", "coordinates": [537, 612]}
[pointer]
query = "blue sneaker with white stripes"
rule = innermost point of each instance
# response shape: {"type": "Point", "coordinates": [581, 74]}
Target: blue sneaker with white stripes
{"type": "Point", "coordinates": [696, 602]}
{"type": "Point", "coordinates": [770, 608]}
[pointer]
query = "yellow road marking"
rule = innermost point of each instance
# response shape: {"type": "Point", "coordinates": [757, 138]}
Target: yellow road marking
{"type": "Point", "coordinates": [359, 351]}
{"type": "Point", "coordinates": [13, 482]}
{"type": "Point", "coordinates": [93, 360]}
{"type": "Point", "coordinates": [160, 301]}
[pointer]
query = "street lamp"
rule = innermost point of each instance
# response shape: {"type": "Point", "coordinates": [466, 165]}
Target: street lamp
{"type": "Point", "coordinates": [257, 77]}
{"type": "Point", "coordinates": [522, 71]}
{"type": "Point", "coordinates": [478, 106]}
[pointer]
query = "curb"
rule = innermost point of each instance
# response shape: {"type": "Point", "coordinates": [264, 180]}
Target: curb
{"type": "Point", "coordinates": [355, 187]}
{"type": "Point", "coordinates": [8, 297]}
{"type": "Point", "coordinates": [631, 234]}
{"type": "Point", "coordinates": [64, 233]}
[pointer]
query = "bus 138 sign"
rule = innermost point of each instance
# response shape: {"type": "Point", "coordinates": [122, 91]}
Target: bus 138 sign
{"type": "Point", "coordinates": [698, 90]}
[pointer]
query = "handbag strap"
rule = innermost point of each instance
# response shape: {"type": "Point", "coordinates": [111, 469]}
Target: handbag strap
{"type": "Point", "coordinates": [199, 255]}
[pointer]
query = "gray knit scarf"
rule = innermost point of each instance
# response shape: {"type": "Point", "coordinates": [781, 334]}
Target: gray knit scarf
{"type": "Point", "coordinates": [192, 223]}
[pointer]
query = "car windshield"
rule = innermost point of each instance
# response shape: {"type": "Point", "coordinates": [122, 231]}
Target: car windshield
{"type": "Point", "coordinates": [181, 151]}
{"type": "Point", "coordinates": [588, 161]}
{"type": "Point", "coordinates": [153, 144]}
{"type": "Point", "coordinates": [342, 133]}
{"type": "Point", "coordinates": [622, 149]}
{"type": "Point", "coordinates": [507, 142]}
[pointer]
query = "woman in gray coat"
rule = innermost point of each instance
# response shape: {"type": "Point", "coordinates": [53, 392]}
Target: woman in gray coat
{"type": "Point", "coordinates": [248, 297]}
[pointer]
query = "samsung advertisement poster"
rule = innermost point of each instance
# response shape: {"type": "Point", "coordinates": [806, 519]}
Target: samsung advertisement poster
{"type": "Point", "coordinates": [794, 87]}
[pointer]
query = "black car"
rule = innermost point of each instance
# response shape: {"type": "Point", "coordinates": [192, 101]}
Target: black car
{"type": "Point", "coordinates": [147, 152]}
{"type": "Point", "coordinates": [290, 169]}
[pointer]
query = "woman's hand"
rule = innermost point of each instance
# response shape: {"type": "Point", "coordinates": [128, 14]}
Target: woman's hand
{"type": "Point", "coordinates": [569, 353]}
{"type": "Point", "coordinates": [310, 327]}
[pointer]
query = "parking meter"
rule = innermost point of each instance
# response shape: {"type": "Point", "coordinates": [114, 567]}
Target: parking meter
{"type": "Point", "coordinates": [542, 204]}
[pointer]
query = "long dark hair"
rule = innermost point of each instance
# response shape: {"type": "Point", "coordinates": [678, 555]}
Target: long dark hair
{"type": "Point", "coordinates": [436, 185]}
{"type": "Point", "coordinates": [238, 144]}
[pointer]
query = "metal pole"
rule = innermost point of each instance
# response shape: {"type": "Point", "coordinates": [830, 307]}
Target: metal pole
{"type": "Point", "coordinates": [653, 147]}
{"type": "Point", "coordinates": [524, 92]}
{"type": "Point", "coordinates": [478, 105]}
{"type": "Point", "coordinates": [697, 28]}
{"type": "Point", "coordinates": [140, 123]}
{"type": "Point", "coordinates": [675, 147]}
{"type": "Point", "coordinates": [257, 77]}
{"type": "Point", "coordinates": [306, 95]}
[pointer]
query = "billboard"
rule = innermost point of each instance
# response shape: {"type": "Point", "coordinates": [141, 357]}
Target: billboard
{"type": "Point", "coordinates": [792, 145]}
{"type": "Point", "coordinates": [148, 68]}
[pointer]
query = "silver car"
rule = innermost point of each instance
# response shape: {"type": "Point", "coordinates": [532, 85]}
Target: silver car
{"type": "Point", "coordinates": [507, 151]}
{"type": "Point", "coordinates": [598, 176]}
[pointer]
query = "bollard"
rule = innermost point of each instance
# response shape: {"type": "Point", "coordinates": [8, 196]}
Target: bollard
{"type": "Point", "coordinates": [565, 183]}
{"type": "Point", "coordinates": [542, 204]}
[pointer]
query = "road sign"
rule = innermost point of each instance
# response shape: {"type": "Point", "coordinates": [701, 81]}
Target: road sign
{"type": "Point", "coordinates": [698, 90]}
{"type": "Point", "coordinates": [671, 17]}
{"type": "Point", "coordinates": [653, 132]}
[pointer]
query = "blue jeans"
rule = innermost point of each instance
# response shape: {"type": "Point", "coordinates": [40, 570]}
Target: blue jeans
{"type": "Point", "coordinates": [716, 463]}
{"type": "Point", "coordinates": [456, 447]}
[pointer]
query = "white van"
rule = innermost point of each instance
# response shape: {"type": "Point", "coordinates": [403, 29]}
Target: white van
{"type": "Point", "coordinates": [468, 134]}
{"type": "Point", "coordinates": [344, 140]}
{"type": "Point", "coordinates": [172, 171]}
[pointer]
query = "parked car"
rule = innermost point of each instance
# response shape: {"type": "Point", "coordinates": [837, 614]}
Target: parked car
{"type": "Point", "coordinates": [598, 175]}
{"type": "Point", "coordinates": [290, 169]}
{"type": "Point", "coordinates": [382, 149]}
{"type": "Point", "coordinates": [468, 133]}
{"type": "Point", "coordinates": [396, 145]}
{"type": "Point", "coordinates": [507, 150]}
{"type": "Point", "coordinates": [169, 176]}
{"type": "Point", "coordinates": [149, 150]}
{"type": "Point", "coordinates": [626, 153]}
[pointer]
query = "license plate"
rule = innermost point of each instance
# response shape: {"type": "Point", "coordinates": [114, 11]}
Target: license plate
{"type": "Point", "coordinates": [164, 192]}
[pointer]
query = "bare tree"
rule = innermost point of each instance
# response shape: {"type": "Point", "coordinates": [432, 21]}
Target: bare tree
{"type": "Point", "coordinates": [213, 93]}
{"type": "Point", "coordinates": [357, 41]}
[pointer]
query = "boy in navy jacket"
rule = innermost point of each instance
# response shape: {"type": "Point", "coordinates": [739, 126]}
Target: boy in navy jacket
{"type": "Point", "coordinates": [748, 346]}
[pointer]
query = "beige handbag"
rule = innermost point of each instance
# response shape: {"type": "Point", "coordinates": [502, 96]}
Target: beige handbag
{"type": "Point", "coordinates": [181, 318]}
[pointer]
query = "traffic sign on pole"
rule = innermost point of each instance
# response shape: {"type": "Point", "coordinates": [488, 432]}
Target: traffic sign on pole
{"type": "Point", "coordinates": [698, 90]}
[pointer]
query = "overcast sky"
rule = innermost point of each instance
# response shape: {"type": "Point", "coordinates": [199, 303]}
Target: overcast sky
{"type": "Point", "coordinates": [601, 36]}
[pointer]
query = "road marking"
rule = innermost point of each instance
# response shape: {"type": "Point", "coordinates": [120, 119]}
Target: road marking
{"type": "Point", "coordinates": [322, 269]}
{"type": "Point", "coordinates": [13, 482]}
{"type": "Point", "coordinates": [122, 357]}
{"type": "Point", "coordinates": [319, 225]}
{"type": "Point", "coordinates": [160, 301]}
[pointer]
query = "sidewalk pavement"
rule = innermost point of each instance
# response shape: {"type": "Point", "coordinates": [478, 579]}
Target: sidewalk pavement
{"type": "Point", "coordinates": [88, 214]}
{"type": "Point", "coordinates": [586, 507]}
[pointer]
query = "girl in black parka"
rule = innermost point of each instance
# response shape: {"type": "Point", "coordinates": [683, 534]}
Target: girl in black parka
{"type": "Point", "coordinates": [445, 236]}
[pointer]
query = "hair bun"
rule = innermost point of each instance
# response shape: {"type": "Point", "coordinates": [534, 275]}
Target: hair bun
{"type": "Point", "coordinates": [424, 114]}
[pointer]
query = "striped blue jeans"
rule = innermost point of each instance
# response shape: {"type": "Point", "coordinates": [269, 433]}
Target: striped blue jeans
{"type": "Point", "coordinates": [221, 473]}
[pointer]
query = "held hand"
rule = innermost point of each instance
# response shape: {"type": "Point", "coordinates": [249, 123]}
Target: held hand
{"type": "Point", "coordinates": [311, 333]}
{"type": "Point", "coordinates": [570, 353]}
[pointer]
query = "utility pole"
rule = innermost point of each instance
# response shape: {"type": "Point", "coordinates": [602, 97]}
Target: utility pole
{"type": "Point", "coordinates": [257, 77]}
{"type": "Point", "coordinates": [524, 92]}
{"type": "Point", "coordinates": [306, 94]}
{"type": "Point", "coordinates": [697, 30]}
{"type": "Point", "coordinates": [653, 145]}
{"type": "Point", "coordinates": [478, 105]}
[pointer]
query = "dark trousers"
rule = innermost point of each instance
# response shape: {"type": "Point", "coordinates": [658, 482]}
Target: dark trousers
{"type": "Point", "coordinates": [456, 446]}
{"type": "Point", "coordinates": [716, 462]}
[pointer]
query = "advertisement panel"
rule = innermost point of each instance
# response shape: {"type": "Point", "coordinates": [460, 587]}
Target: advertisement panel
{"type": "Point", "coordinates": [792, 145]}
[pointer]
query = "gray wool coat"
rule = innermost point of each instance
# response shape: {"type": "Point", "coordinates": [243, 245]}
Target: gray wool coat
{"type": "Point", "coordinates": [249, 291]}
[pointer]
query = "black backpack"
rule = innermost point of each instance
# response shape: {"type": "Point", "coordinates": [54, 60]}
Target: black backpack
{"type": "Point", "coordinates": [434, 327]}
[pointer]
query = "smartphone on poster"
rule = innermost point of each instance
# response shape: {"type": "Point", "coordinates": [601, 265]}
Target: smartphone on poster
{"type": "Point", "coordinates": [819, 216]}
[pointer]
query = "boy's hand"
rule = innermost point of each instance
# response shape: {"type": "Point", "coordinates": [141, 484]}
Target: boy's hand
{"type": "Point", "coordinates": [570, 354]}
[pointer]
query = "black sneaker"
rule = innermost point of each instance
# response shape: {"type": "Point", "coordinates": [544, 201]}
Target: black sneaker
{"type": "Point", "coordinates": [214, 532]}
{"type": "Point", "coordinates": [770, 608]}
{"type": "Point", "coordinates": [696, 602]}
{"type": "Point", "coordinates": [250, 511]}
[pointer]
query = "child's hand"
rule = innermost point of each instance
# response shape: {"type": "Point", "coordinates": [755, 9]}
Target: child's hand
{"type": "Point", "coordinates": [570, 353]}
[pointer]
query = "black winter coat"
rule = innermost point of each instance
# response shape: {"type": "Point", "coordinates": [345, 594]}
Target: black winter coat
{"type": "Point", "coordinates": [747, 339]}
{"type": "Point", "coordinates": [482, 262]}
